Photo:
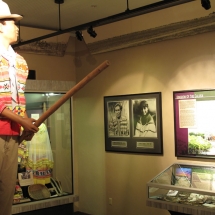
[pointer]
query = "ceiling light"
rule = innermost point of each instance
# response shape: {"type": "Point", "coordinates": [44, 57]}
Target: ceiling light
{"type": "Point", "coordinates": [91, 32]}
{"type": "Point", "coordinates": [79, 35]}
{"type": "Point", "coordinates": [206, 4]}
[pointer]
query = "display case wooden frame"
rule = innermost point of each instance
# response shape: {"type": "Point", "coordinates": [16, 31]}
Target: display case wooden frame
{"type": "Point", "coordinates": [127, 129]}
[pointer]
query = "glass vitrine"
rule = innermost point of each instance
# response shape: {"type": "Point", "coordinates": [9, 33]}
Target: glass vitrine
{"type": "Point", "coordinates": [185, 188]}
{"type": "Point", "coordinates": [49, 155]}
{"type": "Point", "coordinates": [59, 131]}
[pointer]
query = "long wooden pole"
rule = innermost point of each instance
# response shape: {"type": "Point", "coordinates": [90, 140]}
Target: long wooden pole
{"type": "Point", "coordinates": [70, 93]}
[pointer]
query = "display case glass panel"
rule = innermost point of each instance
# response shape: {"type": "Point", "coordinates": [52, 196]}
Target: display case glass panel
{"type": "Point", "coordinates": [186, 186]}
{"type": "Point", "coordinates": [49, 157]}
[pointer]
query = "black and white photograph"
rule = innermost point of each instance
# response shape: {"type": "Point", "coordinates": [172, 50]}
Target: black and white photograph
{"type": "Point", "coordinates": [133, 123]}
{"type": "Point", "coordinates": [118, 118]}
{"type": "Point", "coordinates": [144, 117]}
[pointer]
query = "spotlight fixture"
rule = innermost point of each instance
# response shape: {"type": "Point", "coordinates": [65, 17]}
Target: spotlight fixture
{"type": "Point", "coordinates": [206, 4]}
{"type": "Point", "coordinates": [91, 32]}
{"type": "Point", "coordinates": [79, 35]}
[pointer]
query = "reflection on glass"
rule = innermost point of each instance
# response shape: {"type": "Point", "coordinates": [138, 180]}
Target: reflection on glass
{"type": "Point", "coordinates": [58, 128]}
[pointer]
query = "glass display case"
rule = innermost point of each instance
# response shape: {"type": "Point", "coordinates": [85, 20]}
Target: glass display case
{"type": "Point", "coordinates": [45, 173]}
{"type": "Point", "coordinates": [184, 188]}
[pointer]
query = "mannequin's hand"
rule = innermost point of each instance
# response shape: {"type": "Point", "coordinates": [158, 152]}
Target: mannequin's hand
{"type": "Point", "coordinates": [27, 135]}
{"type": "Point", "coordinates": [28, 125]}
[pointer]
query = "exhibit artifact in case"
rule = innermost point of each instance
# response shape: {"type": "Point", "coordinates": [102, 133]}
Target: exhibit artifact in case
{"type": "Point", "coordinates": [184, 188]}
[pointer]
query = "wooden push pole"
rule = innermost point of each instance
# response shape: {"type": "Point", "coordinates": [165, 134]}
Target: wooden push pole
{"type": "Point", "coordinates": [70, 93]}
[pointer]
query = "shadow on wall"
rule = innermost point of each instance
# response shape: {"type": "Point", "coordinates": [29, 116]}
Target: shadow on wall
{"type": "Point", "coordinates": [81, 51]}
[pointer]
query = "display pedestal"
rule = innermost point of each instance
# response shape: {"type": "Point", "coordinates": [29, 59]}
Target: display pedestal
{"type": "Point", "coordinates": [66, 209]}
{"type": "Point", "coordinates": [34, 207]}
{"type": "Point", "coordinates": [180, 209]}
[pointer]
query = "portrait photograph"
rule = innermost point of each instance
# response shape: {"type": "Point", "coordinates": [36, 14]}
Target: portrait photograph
{"type": "Point", "coordinates": [144, 118]}
{"type": "Point", "coordinates": [118, 118]}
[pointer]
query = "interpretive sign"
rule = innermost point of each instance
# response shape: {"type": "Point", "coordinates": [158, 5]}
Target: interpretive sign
{"type": "Point", "coordinates": [194, 118]}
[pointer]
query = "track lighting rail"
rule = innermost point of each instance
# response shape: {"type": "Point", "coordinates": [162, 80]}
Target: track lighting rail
{"type": "Point", "coordinates": [118, 17]}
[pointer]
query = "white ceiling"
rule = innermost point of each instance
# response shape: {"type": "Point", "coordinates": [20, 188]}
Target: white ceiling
{"type": "Point", "coordinates": [75, 15]}
{"type": "Point", "coordinates": [80, 14]}
{"type": "Point", "coordinates": [46, 13]}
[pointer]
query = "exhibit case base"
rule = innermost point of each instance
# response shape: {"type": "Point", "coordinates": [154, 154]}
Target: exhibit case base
{"type": "Point", "coordinates": [57, 202]}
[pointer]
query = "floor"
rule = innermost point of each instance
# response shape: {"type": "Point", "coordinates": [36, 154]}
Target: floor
{"type": "Point", "coordinates": [80, 213]}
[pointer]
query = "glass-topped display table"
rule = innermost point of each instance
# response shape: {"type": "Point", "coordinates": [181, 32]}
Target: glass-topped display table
{"type": "Point", "coordinates": [184, 189]}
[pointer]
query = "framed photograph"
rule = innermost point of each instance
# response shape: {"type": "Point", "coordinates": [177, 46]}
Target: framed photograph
{"type": "Point", "coordinates": [25, 178]}
{"type": "Point", "coordinates": [194, 121]}
{"type": "Point", "coordinates": [133, 123]}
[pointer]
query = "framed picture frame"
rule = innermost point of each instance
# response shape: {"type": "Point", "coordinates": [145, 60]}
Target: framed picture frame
{"type": "Point", "coordinates": [194, 122]}
{"type": "Point", "coordinates": [133, 123]}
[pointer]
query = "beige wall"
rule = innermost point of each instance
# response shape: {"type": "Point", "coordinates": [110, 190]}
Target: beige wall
{"type": "Point", "coordinates": [187, 63]}
{"type": "Point", "coordinates": [50, 67]}
{"type": "Point", "coordinates": [182, 64]}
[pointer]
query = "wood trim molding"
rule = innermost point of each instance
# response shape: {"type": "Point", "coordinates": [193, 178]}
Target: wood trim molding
{"type": "Point", "coordinates": [48, 86]}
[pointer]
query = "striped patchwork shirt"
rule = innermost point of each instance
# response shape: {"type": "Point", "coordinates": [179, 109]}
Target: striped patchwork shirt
{"type": "Point", "coordinates": [8, 127]}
